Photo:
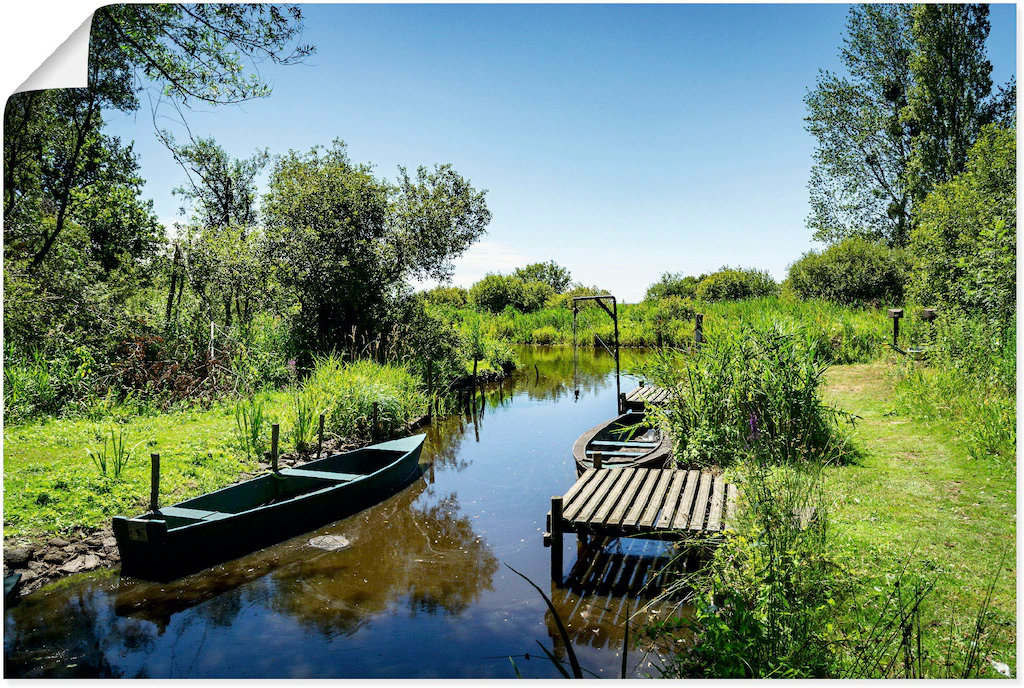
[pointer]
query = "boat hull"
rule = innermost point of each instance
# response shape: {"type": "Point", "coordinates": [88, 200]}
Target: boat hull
{"type": "Point", "coordinates": [222, 525]}
{"type": "Point", "coordinates": [655, 456]}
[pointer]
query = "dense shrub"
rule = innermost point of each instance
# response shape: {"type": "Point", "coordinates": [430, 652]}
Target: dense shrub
{"type": "Point", "coordinates": [965, 241]}
{"type": "Point", "coordinates": [854, 271]}
{"type": "Point", "coordinates": [495, 292]}
{"type": "Point", "coordinates": [758, 387]}
{"type": "Point", "coordinates": [731, 284]}
{"type": "Point", "coordinates": [673, 284]}
{"type": "Point", "coordinates": [448, 296]}
{"type": "Point", "coordinates": [535, 296]}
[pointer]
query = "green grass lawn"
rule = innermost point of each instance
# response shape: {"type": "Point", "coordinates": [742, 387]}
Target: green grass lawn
{"type": "Point", "coordinates": [914, 492]}
{"type": "Point", "coordinates": [52, 486]}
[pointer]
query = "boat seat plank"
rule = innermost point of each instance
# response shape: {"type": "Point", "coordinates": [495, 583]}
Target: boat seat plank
{"type": "Point", "coordinates": [193, 514]}
{"type": "Point", "coordinates": [304, 473]}
{"type": "Point", "coordinates": [617, 453]}
{"type": "Point", "coordinates": [627, 443]}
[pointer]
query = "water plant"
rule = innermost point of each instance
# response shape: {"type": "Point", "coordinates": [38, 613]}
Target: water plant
{"type": "Point", "coordinates": [112, 455]}
{"type": "Point", "coordinates": [251, 423]}
{"type": "Point", "coordinates": [306, 414]}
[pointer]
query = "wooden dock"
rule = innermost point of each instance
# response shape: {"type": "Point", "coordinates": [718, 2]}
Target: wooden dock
{"type": "Point", "coordinates": [643, 396]}
{"type": "Point", "coordinates": [664, 504]}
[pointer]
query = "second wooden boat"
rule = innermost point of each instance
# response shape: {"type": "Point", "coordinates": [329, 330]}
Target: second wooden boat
{"type": "Point", "coordinates": [626, 440]}
{"type": "Point", "coordinates": [199, 532]}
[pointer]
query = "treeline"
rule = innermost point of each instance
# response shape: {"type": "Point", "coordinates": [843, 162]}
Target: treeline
{"type": "Point", "coordinates": [104, 305]}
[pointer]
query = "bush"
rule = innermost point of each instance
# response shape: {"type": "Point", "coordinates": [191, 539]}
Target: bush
{"type": "Point", "coordinates": [731, 284]}
{"type": "Point", "coordinates": [495, 292]}
{"type": "Point", "coordinates": [757, 388]}
{"type": "Point", "coordinates": [965, 241]}
{"type": "Point", "coordinates": [348, 391]}
{"type": "Point", "coordinates": [673, 284]}
{"type": "Point", "coordinates": [456, 297]}
{"type": "Point", "coordinates": [535, 296]}
{"type": "Point", "coordinates": [544, 335]}
{"type": "Point", "coordinates": [854, 271]}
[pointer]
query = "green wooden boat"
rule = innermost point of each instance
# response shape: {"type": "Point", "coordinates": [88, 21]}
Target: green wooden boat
{"type": "Point", "coordinates": [626, 440]}
{"type": "Point", "coordinates": [207, 530]}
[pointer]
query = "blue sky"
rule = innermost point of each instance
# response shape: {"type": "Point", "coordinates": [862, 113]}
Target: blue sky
{"type": "Point", "coordinates": [621, 141]}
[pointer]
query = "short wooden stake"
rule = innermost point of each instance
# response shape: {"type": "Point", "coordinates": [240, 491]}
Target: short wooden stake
{"type": "Point", "coordinates": [154, 483]}
{"type": "Point", "coordinates": [598, 459]}
{"type": "Point", "coordinates": [374, 420]}
{"type": "Point", "coordinates": [556, 539]}
{"type": "Point", "coordinates": [320, 437]}
{"type": "Point", "coordinates": [430, 388]}
{"type": "Point", "coordinates": [275, 434]}
{"type": "Point", "coordinates": [698, 330]}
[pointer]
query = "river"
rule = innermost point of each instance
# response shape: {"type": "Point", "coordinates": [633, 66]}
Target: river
{"type": "Point", "coordinates": [424, 590]}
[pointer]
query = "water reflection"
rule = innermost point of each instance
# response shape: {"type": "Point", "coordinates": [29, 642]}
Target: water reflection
{"type": "Point", "coordinates": [423, 566]}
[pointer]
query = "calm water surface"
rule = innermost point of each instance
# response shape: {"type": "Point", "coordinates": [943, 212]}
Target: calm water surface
{"type": "Point", "coordinates": [423, 592]}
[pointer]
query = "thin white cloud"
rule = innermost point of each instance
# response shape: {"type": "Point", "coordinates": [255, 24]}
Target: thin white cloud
{"type": "Point", "coordinates": [484, 257]}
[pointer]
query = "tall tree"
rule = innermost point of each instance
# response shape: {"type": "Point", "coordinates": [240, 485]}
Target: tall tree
{"type": "Point", "coordinates": [345, 243]}
{"type": "Point", "coordinates": [205, 54]}
{"type": "Point", "coordinates": [948, 100]}
{"type": "Point", "coordinates": [917, 93]}
{"type": "Point", "coordinates": [550, 273]}
{"type": "Point", "coordinates": [858, 180]}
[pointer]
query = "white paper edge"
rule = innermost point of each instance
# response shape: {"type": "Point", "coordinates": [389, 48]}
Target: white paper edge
{"type": "Point", "coordinates": [66, 67]}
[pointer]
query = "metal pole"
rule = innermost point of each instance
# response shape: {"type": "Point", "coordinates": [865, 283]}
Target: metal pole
{"type": "Point", "coordinates": [320, 437]}
{"type": "Point", "coordinates": [618, 382]}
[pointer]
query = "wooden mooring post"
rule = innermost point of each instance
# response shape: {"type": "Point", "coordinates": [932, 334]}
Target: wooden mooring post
{"type": "Point", "coordinates": [895, 314]}
{"type": "Point", "coordinates": [598, 459]}
{"type": "Point", "coordinates": [556, 539]}
{"type": "Point", "coordinates": [154, 483]}
{"type": "Point", "coordinates": [320, 437]}
{"type": "Point", "coordinates": [698, 330]}
{"type": "Point", "coordinates": [275, 435]}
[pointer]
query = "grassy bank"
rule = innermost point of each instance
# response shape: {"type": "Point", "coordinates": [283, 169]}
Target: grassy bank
{"type": "Point", "coordinates": [52, 484]}
{"type": "Point", "coordinates": [916, 492]}
{"type": "Point", "coordinates": [845, 335]}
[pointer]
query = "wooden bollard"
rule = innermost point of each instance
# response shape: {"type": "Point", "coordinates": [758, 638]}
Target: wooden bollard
{"type": "Point", "coordinates": [895, 314]}
{"type": "Point", "coordinates": [598, 459]}
{"type": "Point", "coordinates": [556, 539]}
{"type": "Point", "coordinates": [430, 388]}
{"type": "Point", "coordinates": [154, 483]}
{"type": "Point", "coordinates": [374, 421]}
{"type": "Point", "coordinates": [275, 434]}
{"type": "Point", "coordinates": [320, 437]}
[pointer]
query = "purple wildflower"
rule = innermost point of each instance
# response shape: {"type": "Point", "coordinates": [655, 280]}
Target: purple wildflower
{"type": "Point", "coordinates": [755, 432]}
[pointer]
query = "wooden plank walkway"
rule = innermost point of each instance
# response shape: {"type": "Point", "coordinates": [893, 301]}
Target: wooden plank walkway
{"type": "Point", "coordinates": [664, 504]}
{"type": "Point", "coordinates": [645, 395]}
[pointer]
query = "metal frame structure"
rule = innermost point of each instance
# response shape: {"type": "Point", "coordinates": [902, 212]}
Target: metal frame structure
{"type": "Point", "coordinates": [613, 312]}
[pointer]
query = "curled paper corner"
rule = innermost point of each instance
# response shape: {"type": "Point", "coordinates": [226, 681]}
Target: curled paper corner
{"type": "Point", "coordinates": [67, 67]}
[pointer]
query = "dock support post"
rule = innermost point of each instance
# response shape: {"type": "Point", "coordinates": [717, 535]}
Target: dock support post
{"type": "Point", "coordinates": [320, 437]}
{"type": "Point", "coordinates": [430, 389]}
{"type": "Point", "coordinates": [275, 435]}
{"type": "Point", "coordinates": [154, 483]}
{"type": "Point", "coordinates": [556, 540]}
{"type": "Point", "coordinates": [598, 459]}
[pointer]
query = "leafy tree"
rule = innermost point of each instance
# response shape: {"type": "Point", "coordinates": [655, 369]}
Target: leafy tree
{"type": "Point", "coordinates": [917, 92]}
{"type": "Point", "coordinates": [948, 99]}
{"type": "Point", "coordinates": [965, 245]}
{"type": "Point", "coordinates": [496, 292]}
{"type": "Point", "coordinates": [224, 244]}
{"type": "Point", "coordinates": [345, 243]}
{"type": "Point", "coordinates": [673, 284]}
{"type": "Point", "coordinates": [551, 273]}
{"type": "Point", "coordinates": [448, 296]}
{"type": "Point", "coordinates": [729, 284]}
{"type": "Point", "coordinates": [536, 295]}
{"type": "Point", "coordinates": [858, 183]}
{"type": "Point", "coordinates": [854, 271]}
